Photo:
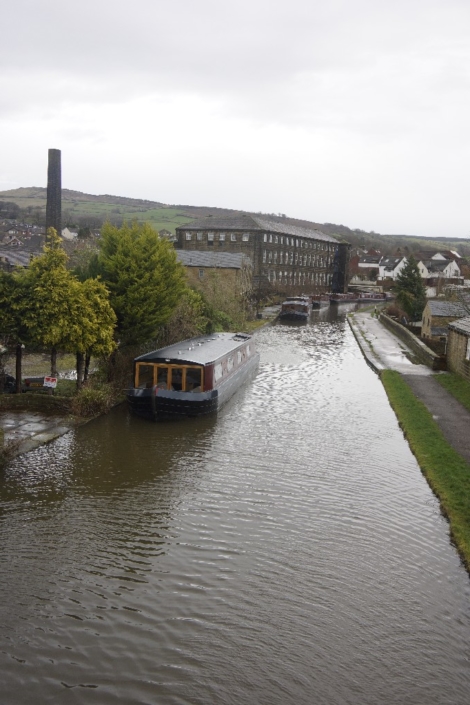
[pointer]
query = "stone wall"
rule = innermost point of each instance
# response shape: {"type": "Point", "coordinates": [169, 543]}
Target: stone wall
{"type": "Point", "coordinates": [456, 352]}
{"type": "Point", "coordinates": [422, 352]}
{"type": "Point", "coordinates": [36, 401]}
{"type": "Point", "coordinates": [234, 281]}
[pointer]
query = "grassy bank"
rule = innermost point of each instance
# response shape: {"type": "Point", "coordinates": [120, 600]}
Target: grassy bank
{"type": "Point", "coordinates": [445, 470]}
{"type": "Point", "coordinates": [457, 386]}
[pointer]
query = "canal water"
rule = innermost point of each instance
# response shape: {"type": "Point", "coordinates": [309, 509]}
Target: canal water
{"type": "Point", "coordinates": [286, 552]}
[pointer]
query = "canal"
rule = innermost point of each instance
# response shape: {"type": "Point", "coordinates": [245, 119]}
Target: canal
{"type": "Point", "coordinates": [286, 552]}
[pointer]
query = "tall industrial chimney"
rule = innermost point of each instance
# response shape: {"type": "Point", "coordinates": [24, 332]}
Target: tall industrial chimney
{"type": "Point", "coordinates": [54, 192]}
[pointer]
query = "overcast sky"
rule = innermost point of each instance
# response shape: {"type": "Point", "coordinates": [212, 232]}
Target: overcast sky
{"type": "Point", "coordinates": [354, 112]}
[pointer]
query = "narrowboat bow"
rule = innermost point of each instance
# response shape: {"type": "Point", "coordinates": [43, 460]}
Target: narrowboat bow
{"type": "Point", "coordinates": [296, 308]}
{"type": "Point", "coordinates": [193, 377]}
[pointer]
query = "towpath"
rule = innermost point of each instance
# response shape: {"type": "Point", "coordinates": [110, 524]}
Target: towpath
{"type": "Point", "coordinates": [384, 351]}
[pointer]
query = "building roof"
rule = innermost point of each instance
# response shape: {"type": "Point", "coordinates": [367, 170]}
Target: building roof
{"type": "Point", "coordinates": [461, 326]}
{"type": "Point", "coordinates": [370, 259]}
{"type": "Point", "coordinates": [17, 258]}
{"type": "Point", "coordinates": [433, 265]}
{"type": "Point", "coordinates": [253, 223]}
{"type": "Point", "coordinates": [439, 330]}
{"type": "Point", "coordinates": [446, 308]}
{"type": "Point", "coordinates": [390, 263]}
{"type": "Point", "coordinates": [223, 260]}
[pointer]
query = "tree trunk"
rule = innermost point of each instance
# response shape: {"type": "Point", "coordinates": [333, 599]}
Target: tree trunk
{"type": "Point", "coordinates": [87, 366]}
{"type": "Point", "coordinates": [54, 362]}
{"type": "Point", "coordinates": [80, 365]}
{"type": "Point", "coordinates": [18, 366]}
{"type": "Point", "coordinates": [53, 368]}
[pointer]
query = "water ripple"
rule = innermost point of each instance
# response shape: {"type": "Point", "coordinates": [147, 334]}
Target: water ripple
{"type": "Point", "coordinates": [286, 551]}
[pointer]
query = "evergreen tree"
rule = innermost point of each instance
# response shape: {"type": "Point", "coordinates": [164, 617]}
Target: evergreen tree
{"type": "Point", "coordinates": [63, 313]}
{"type": "Point", "coordinates": [144, 278]}
{"type": "Point", "coordinates": [410, 290]}
{"type": "Point", "coordinates": [95, 335]}
{"type": "Point", "coordinates": [15, 297]}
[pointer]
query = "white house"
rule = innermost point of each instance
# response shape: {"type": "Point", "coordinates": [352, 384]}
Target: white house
{"type": "Point", "coordinates": [69, 234]}
{"type": "Point", "coordinates": [390, 267]}
{"type": "Point", "coordinates": [439, 268]}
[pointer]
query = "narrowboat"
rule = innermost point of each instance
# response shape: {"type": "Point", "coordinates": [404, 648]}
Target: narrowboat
{"type": "Point", "coordinates": [349, 298]}
{"type": "Point", "coordinates": [297, 308]}
{"type": "Point", "coordinates": [192, 378]}
{"type": "Point", "coordinates": [320, 300]}
{"type": "Point", "coordinates": [361, 297]}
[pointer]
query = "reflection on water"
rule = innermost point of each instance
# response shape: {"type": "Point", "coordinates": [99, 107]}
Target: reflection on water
{"type": "Point", "coordinates": [286, 551]}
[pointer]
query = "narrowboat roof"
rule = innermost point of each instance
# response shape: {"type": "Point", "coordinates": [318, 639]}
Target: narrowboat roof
{"type": "Point", "coordinates": [199, 351]}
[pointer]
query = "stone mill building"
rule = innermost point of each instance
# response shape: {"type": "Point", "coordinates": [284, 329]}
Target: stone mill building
{"type": "Point", "coordinates": [287, 258]}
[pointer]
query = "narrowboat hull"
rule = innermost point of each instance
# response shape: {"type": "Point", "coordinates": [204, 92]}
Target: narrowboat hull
{"type": "Point", "coordinates": [320, 303]}
{"type": "Point", "coordinates": [294, 315]}
{"type": "Point", "coordinates": [163, 404]}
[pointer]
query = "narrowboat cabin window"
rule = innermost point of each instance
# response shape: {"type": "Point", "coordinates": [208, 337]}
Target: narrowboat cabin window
{"type": "Point", "coordinates": [193, 379]}
{"type": "Point", "coordinates": [145, 376]}
{"type": "Point", "coordinates": [162, 377]}
{"type": "Point", "coordinates": [170, 377]}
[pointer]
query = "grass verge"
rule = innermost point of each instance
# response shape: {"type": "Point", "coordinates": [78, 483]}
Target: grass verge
{"type": "Point", "coordinates": [445, 470]}
{"type": "Point", "coordinates": [458, 386]}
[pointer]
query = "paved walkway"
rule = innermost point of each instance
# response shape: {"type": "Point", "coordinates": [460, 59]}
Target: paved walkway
{"type": "Point", "coordinates": [384, 351]}
{"type": "Point", "coordinates": [26, 430]}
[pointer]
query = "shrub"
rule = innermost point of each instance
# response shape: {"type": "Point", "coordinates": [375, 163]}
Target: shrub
{"type": "Point", "coordinates": [92, 401]}
{"type": "Point", "coordinates": [394, 311]}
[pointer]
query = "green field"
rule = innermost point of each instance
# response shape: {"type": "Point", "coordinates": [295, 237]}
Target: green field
{"type": "Point", "coordinates": [78, 207]}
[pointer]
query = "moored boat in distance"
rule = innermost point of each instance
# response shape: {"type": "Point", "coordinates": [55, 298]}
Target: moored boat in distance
{"type": "Point", "coordinates": [359, 297]}
{"type": "Point", "coordinates": [296, 308]}
{"type": "Point", "coordinates": [192, 378]}
{"type": "Point", "coordinates": [320, 300]}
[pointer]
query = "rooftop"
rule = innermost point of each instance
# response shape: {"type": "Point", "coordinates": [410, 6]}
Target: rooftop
{"type": "Point", "coordinates": [446, 308]}
{"type": "Point", "coordinates": [461, 326]}
{"type": "Point", "coordinates": [254, 223]}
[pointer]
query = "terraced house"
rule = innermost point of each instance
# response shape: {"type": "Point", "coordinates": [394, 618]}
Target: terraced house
{"type": "Point", "coordinates": [290, 258]}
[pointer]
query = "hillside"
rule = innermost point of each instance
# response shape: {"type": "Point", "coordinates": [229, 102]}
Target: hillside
{"type": "Point", "coordinates": [80, 209]}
